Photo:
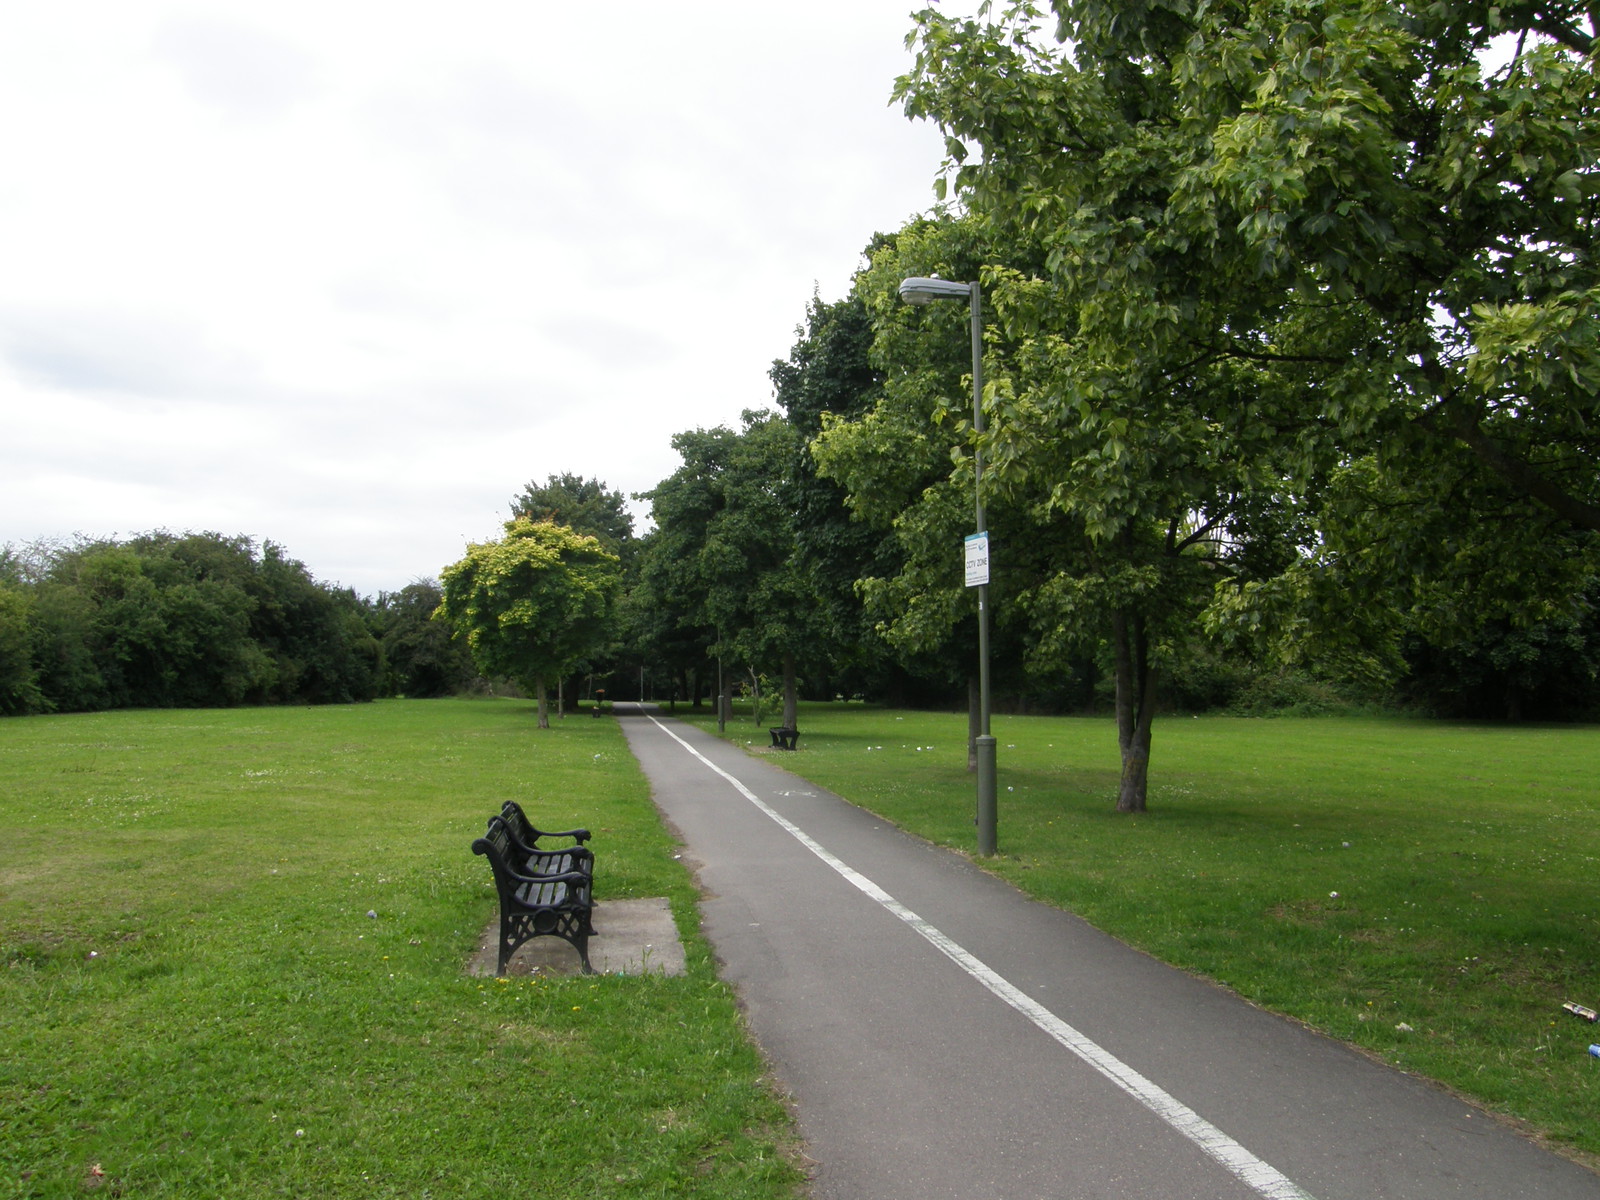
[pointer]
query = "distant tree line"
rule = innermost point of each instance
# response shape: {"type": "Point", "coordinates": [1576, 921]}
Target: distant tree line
{"type": "Point", "coordinates": [201, 619]}
{"type": "Point", "coordinates": [762, 563]}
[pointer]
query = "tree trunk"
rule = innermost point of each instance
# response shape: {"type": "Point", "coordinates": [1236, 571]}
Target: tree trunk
{"type": "Point", "coordinates": [791, 698]}
{"type": "Point", "coordinates": [541, 691]}
{"type": "Point", "coordinates": [1136, 696]}
{"type": "Point", "coordinates": [974, 720]}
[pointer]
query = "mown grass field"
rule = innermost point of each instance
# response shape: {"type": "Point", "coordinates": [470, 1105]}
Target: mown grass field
{"type": "Point", "coordinates": [1427, 891]}
{"type": "Point", "coordinates": [196, 1002]}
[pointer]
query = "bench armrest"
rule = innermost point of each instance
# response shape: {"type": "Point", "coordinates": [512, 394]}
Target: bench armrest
{"type": "Point", "coordinates": [580, 835]}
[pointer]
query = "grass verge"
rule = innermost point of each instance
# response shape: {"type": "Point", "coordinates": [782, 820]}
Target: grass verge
{"type": "Point", "coordinates": [1426, 891]}
{"type": "Point", "coordinates": [233, 945]}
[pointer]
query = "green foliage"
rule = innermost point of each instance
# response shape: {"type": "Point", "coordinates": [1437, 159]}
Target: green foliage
{"type": "Point", "coordinates": [1295, 313]}
{"type": "Point", "coordinates": [1389, 242]}
{"type": "Point", "coordinates": [191, 620]}
{"type": "Point", "coordinates": [829, 376]}
{"type": "Point", "coordinates": [585, 506]}
{"type": "Point", "coordinates": [533, 604]}
{"type": "Point", "coordinates": [1545, 670]}
{"type": "Point", "coordinates": [316, 636]}
{"type": "Point", "coordinates": [723, 560]}
{"type": "Point", "coordinates": [422, 657]}
{"type": "Point", "coordinates": [902, 462]}
{"type": "Point", "coordinates": [19, 675]}
{"type": "Point", "coordinates": [1116, 504]}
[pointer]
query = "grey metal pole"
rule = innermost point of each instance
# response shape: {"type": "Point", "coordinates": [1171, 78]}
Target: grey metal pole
{"type": "Point", "coordinates": [988, 817]}
{"type": "Point", "coordinates": [924, 290]}
{"type": "Point", "coordinates": [722, 707]}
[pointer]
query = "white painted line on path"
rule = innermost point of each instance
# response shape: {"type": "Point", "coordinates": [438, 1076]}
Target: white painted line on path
{"type": "Point", "coordinates": [1260, 1176]}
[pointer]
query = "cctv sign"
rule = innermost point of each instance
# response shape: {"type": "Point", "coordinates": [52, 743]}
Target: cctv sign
{"type": "Point", "coordinates": [977, 546]}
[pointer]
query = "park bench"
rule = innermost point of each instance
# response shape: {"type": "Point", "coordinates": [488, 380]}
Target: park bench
{"type": "Point", "coordinates": [784, 738]}
{"type": "Point", "coordinates": [536, 904]}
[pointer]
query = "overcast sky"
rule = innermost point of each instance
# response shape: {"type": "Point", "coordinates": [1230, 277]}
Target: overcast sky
{"type": "Point", "coordinates": [346, 275]}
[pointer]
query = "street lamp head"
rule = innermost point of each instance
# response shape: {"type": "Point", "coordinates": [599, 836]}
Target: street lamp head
{"type": "Point", "coordinates": [918, 290]}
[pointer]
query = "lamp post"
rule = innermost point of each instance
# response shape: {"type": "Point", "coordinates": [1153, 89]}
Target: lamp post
{"type": "Point", "coordinates": [925, 291]}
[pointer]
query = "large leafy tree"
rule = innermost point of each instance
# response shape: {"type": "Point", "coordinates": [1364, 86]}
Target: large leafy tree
{"type": "Point", "coordinates": [1385, 210]}
{"type": "Point", "coordinates": [421, 656]}
{"type": "Point", "coordinates": [829, 372]}
{"type": "Point", "coordinates": [586, 506]}
{"type": "Point", "coordinates": [19, 675]}
{"type": "Point", "coordinates": [533, 603]}
{"type": "Point", "coordinates": [724, 555]}
{"type": "Point", "coordinates": [900, 454]}
{"type": "Point", "coordinates": [315, 635]}
{"type": "Point", "coordinates": [1291, 260]}
{"type": "Point", "coordinates": [1112, 515]}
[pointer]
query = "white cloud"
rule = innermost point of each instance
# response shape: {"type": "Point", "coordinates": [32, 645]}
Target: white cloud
{"type": "Point", "coordinates": [248, 72]}
{"type": "Point", "coordinates": [347, 275]}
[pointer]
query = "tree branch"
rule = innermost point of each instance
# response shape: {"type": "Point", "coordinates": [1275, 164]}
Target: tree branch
{"type": "Point", "coordinates": [1453, 418]}
{"type": "Point", "coordinates": [1522, 475]}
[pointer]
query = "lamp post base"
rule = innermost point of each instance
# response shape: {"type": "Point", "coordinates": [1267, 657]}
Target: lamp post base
{"type": "Point", "coordinates": [988, 834]}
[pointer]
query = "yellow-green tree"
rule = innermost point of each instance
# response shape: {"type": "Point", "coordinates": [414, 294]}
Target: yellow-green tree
{"type": "Point", "coordinates": [532, 604]}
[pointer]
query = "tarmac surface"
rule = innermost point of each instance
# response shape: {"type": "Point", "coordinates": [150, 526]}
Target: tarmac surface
{"type": "Point", "coordinates": [941, 1035]}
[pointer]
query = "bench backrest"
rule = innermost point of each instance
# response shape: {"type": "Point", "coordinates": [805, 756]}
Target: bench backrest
{"type": "Point", "coordinates": [530, 860]}
{"type": "Point", "coordinates": [495, 845]}
{"type": "Point", "coordinates": [526, 832]}
{"type": "Point", "coordinates": [517, 821]}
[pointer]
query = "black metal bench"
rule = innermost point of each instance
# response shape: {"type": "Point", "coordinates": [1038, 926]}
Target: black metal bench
{"type": "Point", "coordinates": [532, 904]}
{"type": "Point", "coordinates": [784, 738]}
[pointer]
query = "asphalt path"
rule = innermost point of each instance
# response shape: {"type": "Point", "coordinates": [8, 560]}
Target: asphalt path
{"type": "Point", "coordinates": [941, 1035]}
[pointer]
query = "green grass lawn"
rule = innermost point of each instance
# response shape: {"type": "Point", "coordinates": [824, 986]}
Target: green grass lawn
{"type": "Point", "coordinates": [233, 947]}
{"type": "Point", "coordinates": [1427, 891]}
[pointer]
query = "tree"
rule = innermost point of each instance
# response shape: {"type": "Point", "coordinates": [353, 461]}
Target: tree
{"type": "Point", "coordinates": [829, 372]}
{"type": "Point", "coordinates": [585, 506]}
{"type": "Point", "coordinates": [900, 455]}
{"type": "Point", "coordinates": [168, 621]}
{"type": "Point", "coordinates": [533, 603]}
{"type": "Point", "coordinates": [19, 677]}
{"type": "Point", "coordinates": [1546, 670]}
{"type": "Point", "coordinates": [1392, 207]}
{"type": "Point", "coordinates": [1112, 519]}
{"type": "Point", "coordinates": [194, 619]}
{"type": "Point", "coordinates": [724, 551]}
{"type": "Point", "coordinates": [660, 624]}
{"type": "Point", "coordinates": [421, 657]}
{"type": "Point", "coordinates": [316, 636]}
{"type": "Point", "coordinates": [1282, 252]}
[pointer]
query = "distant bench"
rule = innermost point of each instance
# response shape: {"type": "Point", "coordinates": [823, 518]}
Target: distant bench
{"type": "Point", "coordinates": [784, 738]}
{"type": "Point", "coordinates": [543, 893]}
